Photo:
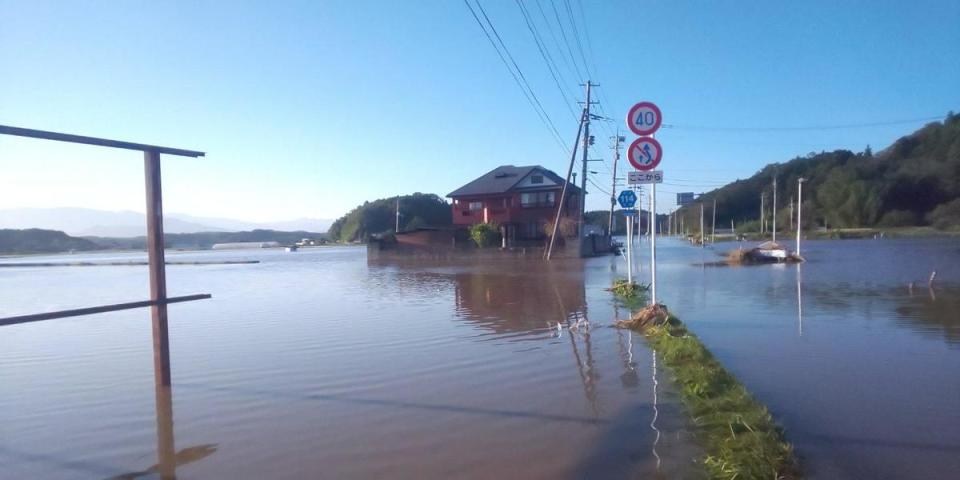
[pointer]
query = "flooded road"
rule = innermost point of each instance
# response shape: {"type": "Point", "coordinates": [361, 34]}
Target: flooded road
{"type": "Point", "coordinates": [320, 364]}
{"type": "Point", "coordinates": [862, 371]}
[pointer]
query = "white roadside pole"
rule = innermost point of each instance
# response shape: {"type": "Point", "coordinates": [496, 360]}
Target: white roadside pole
{"type": "Point", "coordinates": [629, 249]}
{"type": "Point", "coordinates": [799, 203]}
{"type": "Point", "coordinates": [653, 243]}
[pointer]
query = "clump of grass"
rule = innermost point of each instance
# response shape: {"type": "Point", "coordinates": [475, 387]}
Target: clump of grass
{"type": "Point", "coordinates": [631, 295]}
{"type": "Point", "coordinates": [625, 289]}
{"type": "Point", "coordinates": [740, 436]}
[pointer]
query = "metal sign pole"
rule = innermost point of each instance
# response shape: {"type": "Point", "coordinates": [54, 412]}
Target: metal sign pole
{"type": "Point", "coordinates": [653, 243]}
{"type": "Point", "coordinates": [630, 249]}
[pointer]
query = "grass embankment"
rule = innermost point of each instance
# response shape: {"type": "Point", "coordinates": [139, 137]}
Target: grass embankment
{"type": "Point", "coordinates": [740, 437]}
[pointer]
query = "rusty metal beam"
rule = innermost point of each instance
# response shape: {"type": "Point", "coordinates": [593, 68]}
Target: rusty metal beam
{"type": "Point", "coordinates": [36, 317]}
{"type": "Point", "coordinates": [158, 271]}
{"type": "Point", "coordinates": [66, 137]}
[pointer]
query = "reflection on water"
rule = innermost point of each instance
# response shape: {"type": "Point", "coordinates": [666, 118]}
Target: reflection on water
{"type": "Point", "coordinates": [322, 364]}
{"type": "Point", "coordinates": [534, 297]}
{"type": "Point", "coordinates": [934, 311]}
{"type": "Point", "coordinates": [168, 458]}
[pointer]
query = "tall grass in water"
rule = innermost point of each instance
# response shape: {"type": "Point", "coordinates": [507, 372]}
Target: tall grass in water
{"type": "Point", "coordinates": [740, 436]}
{"type": "Point", "coordinates": [631, 295]}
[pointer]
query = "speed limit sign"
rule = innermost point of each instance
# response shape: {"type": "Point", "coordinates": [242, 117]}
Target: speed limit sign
{"type": "Point", "coordinates": [644, 118]}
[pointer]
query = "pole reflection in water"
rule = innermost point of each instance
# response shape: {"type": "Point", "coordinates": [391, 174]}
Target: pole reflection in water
{"type": "Point", "coordinates": [653, 422]}
{"type": "Point", "coordinates": [799, 304]}
{"type": "Point", "coordinates": [586, 372]}
{"type": "Point", "coordinates": [629, 379]}
{"type": "Point", "coordinates": [168, 458]}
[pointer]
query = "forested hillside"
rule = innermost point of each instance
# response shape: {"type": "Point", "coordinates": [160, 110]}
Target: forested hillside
{"type": "Point", "coordinates": [916, 181]}
{"type": "Point", "coordinates": [35, 240]}
{"type": "Point", "coordinates": [378, 216]}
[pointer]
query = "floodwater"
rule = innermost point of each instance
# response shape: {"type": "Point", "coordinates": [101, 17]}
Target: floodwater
{"type": "Point", "coordinates": [320, 364]}
{"type": "Point", "coordinates": [863, 372]}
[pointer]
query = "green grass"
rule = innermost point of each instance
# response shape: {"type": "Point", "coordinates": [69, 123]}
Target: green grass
{"type": "Point", "coordinates": [741, 439]}
{"type": "Point", "coordinates": [630, 295]}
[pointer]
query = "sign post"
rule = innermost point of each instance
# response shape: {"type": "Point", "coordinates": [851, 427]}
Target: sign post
{"type": "Point", "coordinates": [653, 243]}
{"type": "Point", "coordinates": [645, 153]}
{"type": "Point", "coordinates": [627, 200]}
{"type": "Point", "coordinates": [630, 249]}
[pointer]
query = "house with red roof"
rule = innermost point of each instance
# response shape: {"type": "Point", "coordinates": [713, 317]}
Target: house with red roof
{"type": "Point", "coordinates": [521, 200]}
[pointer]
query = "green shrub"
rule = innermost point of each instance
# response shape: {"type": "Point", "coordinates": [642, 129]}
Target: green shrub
{"type": "Point", "coordinates": [485, 234]}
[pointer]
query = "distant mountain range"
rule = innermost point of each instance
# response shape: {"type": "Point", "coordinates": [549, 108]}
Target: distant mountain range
{"type": "Point", "coordinates": [84, 222]}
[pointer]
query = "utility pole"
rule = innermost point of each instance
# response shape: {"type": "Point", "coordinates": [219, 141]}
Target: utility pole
{"type": "Point", "coordinates": [791, 212]}
{"type": "Point", "coordinates": [713, 227]}
{"type": "Point", "coordinates": [799, 204]}
{"type": "Point", "coordinates": [703, 237]}
{"type": "Point", "coordinates": [397, 227]}
{"type": "Point", "coordinates": [563, 193]}
{"type": "Point", "coordinates": [583, 178]}
{"type": "Point", "coordinates": [774, 229]}
{"type": "Point", "coordinates": [613, 182]}
{"type": "Point", "coordinates": [763, 219]}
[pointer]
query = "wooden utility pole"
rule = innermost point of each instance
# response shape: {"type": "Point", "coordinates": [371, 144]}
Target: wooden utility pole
{"type": "Point", "coordinates": [613, 181]}
{"type": "Point", "coordinates": [563, 193]}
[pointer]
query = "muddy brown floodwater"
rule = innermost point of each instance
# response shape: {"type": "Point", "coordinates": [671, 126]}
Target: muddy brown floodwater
{"type": "Point", "coordinates": [320, 364]}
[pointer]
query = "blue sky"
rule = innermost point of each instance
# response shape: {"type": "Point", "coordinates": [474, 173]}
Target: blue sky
{"type": "Point", "coordinates": [307, 109]}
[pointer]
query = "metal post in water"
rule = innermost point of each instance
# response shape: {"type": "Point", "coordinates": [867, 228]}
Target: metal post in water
{"type": "Point", "coordinates": [158, 277]}
{"type": "Point", "coordinates": [653, 243]}
{"type": "Point", "coordinates": [629, 249]}
{"type": "Point", "coordinates": [166, 452]}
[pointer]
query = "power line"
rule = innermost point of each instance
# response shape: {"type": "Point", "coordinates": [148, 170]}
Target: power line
{"type": "Point", "coordinates": [521, 80]}
{"type": "Point", "coordinates": [601, 190]}
{"type": "Point", "coordinates": [566, 42]}
{"type": "Point", "coordinates": [545, 54]}
{"type": "Point", "coordinates": [803, 128]}
{"type": "Point", "coordinates": [576, 36]}
{"type": "Point", "coordinates": [556, 42]}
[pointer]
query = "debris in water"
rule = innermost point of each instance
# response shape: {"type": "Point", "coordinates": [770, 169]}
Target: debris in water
{"type": "Point", "coordinates": [648, 316]}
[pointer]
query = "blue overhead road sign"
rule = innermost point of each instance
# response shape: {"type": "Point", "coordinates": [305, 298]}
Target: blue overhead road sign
{"type": "Point", "coordinates": [627, 199]}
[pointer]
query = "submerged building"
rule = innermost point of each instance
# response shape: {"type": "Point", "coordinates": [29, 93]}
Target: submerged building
{"type": "Point", "coordinates": [521, 200]}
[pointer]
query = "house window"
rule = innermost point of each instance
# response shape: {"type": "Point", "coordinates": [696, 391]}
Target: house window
{"type": "Point", "coordinates": [536, 179]}
{"type": "Point", "coordinates": [476, 206]}
{"type": "Point", "coordinates": [537, 199]}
